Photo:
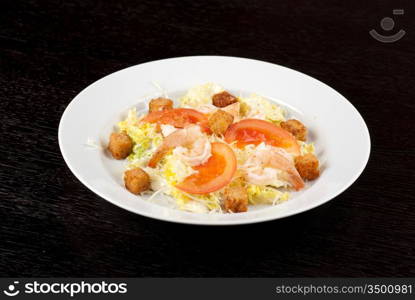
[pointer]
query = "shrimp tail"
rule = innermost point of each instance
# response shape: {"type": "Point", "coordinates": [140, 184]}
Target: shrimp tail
{"type": "Point", "coordinates": [295, 179]}
{"type": "Point", "coordinates": [292, 176]}
{"type": "Point", "coordinates": [157, 156]}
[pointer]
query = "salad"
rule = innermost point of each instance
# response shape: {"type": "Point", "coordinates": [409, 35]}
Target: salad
{"type": "Point", "coordinates": [214, 152]}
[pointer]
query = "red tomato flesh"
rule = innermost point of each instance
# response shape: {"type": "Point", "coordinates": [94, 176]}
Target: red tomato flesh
{"type": "Point", "coordinates": [255, 131]}
{"type": "Point", "coordinates": [178, 117]}
{"type": "Point", "coordinates": [213, 175]}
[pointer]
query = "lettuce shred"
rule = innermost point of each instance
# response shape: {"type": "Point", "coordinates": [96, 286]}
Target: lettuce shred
{"type": "Point", "coordinates": [144, 136]}
{"type": "Point", "coordinates": [258, 107]}
{"type": "Point", "coordinates": [200, 95]}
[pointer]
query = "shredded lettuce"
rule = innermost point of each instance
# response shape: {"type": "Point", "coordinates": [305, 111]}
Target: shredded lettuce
{"type": "Point", "coordinates": [265, 195]}
{"type": "Point", "coordinates": [200, 95]}
{"type": "Point", "coordinates": [175, 170]}
{"type": "Point", "coordinates": [258, 107]}
{"type": "Point", "coordinates": [157, 181]}
{"type": "Point", "coordinates": [306, 148]}
{"type": "Point", "coordinates": [212, 201]}
{"type": "Point", "coordinates": [195, 203]}
{"type": "Point", "coordinates": [181, 198]}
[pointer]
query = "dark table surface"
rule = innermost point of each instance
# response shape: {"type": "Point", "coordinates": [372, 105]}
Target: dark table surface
{"type": "Point", "coordinates": [52, 225]}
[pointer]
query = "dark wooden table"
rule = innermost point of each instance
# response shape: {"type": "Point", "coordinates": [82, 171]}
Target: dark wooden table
{"type": "Point", "coordinates": [52, 225]}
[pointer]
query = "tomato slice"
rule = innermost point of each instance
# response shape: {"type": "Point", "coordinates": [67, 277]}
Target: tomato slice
{"type": "Point", "coordinates": [178, 117]}
{"type": "Point", "coordinates": [213, 174]}
{"type": "Point", "coordinates": [255, 131]}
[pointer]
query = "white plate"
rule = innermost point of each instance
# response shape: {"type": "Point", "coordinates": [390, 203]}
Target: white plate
{"type": "Point", "coordinates": [339, 132]}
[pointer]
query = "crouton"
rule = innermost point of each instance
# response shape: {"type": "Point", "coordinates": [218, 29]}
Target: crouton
{"type": "Point", "coordinates": [223, 99]}
{"type": "Point", "coordinates": [296, 128]}
{"type": "Point", "coordinates": [120, 145]}
{"type": "Point", "coordinates": [236, 198]}
{"type": "Point", "coordinates": [307, 166]}
{"type": "Point", "coordinates": [136, 180]}
{"type": "Point", "coordinates": [160, 104]}
{"type": "Point", "coordinates": [219, 121]}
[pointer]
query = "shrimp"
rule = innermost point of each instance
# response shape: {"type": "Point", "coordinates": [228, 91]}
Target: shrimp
{"type": "Point", "coordinates": [263, 176]}
{"type": "Point", "coordinates": [197, 154]}
{"type": "Point", "coordinates": [262, 167]}
{"type": "Point", "coordinates": [191, 145]}
{"type": "Point", "coordinates": [167, 129]}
